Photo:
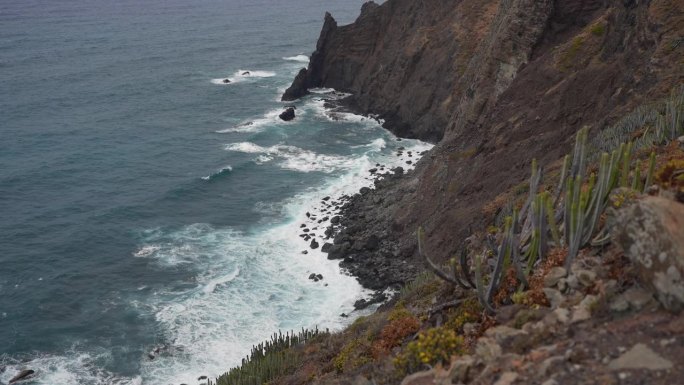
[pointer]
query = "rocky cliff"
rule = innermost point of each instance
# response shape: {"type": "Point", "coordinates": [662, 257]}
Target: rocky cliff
{"type": "Point", "coordinates": [494, 83]}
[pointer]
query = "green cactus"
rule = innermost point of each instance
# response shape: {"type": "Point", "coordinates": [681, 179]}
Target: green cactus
{"type": "Point", "coordinates": [651, 170]}
{"type": "Point", "coordinates": [452, 278]}
{"type": "Point", "coordinates": [479, 286]}
{"type": "Point", "coordinates": [268, 360]}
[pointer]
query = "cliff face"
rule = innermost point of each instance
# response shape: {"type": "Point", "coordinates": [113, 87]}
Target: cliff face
{"type": "Point", "coordinates": [494, 83]}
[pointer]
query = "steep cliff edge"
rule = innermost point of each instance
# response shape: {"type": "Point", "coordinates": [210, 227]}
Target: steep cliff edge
{"type": "Point", "coordinates": [494, 83]}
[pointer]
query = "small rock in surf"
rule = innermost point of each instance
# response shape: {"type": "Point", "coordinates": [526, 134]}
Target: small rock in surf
{"type": "Point", "coordinates": [287, 115]}
{"type": "Point", "coordinates": [24, 374]}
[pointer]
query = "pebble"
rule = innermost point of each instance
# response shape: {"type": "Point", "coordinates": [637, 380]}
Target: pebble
{"type": "Point", "coordinates": [554, 275]}
{"type": "Point", "coordinates": [582, 311]}
{"type": "Point", "coordinates": [586, 277]}
{"type": "Point", "coordinates": [507, 378]}
{"type": "Point", "coordinates": [554, 296]}
{"type": "Point", "coordinates": [640, 356]}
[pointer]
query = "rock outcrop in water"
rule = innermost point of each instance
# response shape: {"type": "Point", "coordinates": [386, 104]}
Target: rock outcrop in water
{"type": "Point", "coordinates": [288, 114]}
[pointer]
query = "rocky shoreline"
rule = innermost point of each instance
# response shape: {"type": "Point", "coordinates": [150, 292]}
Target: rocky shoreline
{"type": "Point", "coordinates": [378, 257]}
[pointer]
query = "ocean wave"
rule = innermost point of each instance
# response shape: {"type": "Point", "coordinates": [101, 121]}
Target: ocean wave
{"type": "Point", "coordinates": [297, 58]}
{"type": "Point", "coordinates": [220, 171]}
{"type": "Point", "coordinates": [318, 106]}
{"type": "Point", "coordinates": [211, 285]}
{"type": "Point", "coordinates": [270, 118]}
{"type": "Point", "coordinates": [73, 367]}
{"type": "Point", "coordinates": [376, 145]}
{"type": "Point", "coordinates": [294, 158]}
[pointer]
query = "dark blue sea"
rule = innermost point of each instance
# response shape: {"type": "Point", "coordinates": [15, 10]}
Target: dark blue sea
{"type": "Point", "coordinates": [144, 203]}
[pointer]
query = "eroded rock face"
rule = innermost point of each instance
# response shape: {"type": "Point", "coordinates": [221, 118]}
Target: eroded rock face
{"type": "Point", "coordinates": [651, 234]}
{"type": "Point", "coordinates": [414, 62]}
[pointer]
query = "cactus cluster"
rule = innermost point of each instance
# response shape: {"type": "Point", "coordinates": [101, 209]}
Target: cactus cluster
{"type": "Point", "coordinates": [268, 360]}
{"type": "Point", "coordinates": [645, 126]}
{"type": "Point", "coordinates": [568, 219]}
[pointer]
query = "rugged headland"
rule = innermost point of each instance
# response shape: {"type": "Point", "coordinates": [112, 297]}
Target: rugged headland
{"type": "Point", "coordinates": [528, 267]}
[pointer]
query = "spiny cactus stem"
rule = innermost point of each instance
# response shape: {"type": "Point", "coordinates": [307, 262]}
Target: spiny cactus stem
{"type": "Point", "coordinates": [479, 283]}
{"type": "Point", "coordinates": [550, 218]}
{"type": "Point", "coordinates": [651, 170]}
{"type": "Point", "coordinates": [561, 181]}
{"type": "Point", "coordinates": [431, 265]}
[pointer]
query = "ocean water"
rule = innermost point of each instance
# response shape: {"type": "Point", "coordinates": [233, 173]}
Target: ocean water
{"type": "Point", "coordinates": [145, 203]}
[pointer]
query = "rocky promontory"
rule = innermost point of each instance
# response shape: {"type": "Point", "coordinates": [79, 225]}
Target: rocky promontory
{"type": "Point", "coordinates": [494, 84]}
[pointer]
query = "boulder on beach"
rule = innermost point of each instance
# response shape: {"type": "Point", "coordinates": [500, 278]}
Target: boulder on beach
{"type": "Point", "coordinates": [314, 244]}
{"type": "Point", "coordinates": [288, 114]}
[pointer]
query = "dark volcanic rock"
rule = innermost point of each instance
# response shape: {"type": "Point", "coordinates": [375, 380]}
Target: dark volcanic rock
{"type": "Point", "coordinates": [314, 244]}
{"type": "Point", "coordinates": [226, 81]}
{"type": "Point", "coordinates": [288, 114]}
{"type": "Point", "coordinates": [372, 243]}
{"type": "Point", "coordinates": [338, 251]}
{"type": "Point", "coordinates": [364, 303]}
{"type": "Point", "coordinates": [24, 374]}
{"type": "Point", "coordinates": [326, 247]}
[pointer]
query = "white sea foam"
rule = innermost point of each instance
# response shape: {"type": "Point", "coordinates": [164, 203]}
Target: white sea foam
{"type": "Point", "coordinates": [317, 105]}
{"type": "Point", "coordinates": [211, 285]}
{"type": "Point", "coordinates": [269, 119]}
{"type": "Point", "coordinates": [243, 75]}
{"type": "Point", "coordinates": [377, 144]}
{"type": "Point", "coordinates": [221, 81]}
{"type": "Point", "coordinates": [250, 148]}
{"type": "Point", "coordinates": [265, 290]}
{"type": "Point", "coordinates": [74, 367]}
{"type": "Point", "coordinates": [322, 91]}
{"type": "Point", "coordinates": [294, 158]}
{"type": "Point", "coordinates": [297, 58]}
{"type": "Point", "coordinates": [146, 250]}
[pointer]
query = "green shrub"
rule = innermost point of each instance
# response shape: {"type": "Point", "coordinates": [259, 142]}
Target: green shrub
{"type": "Point", "coordinates": [436, 345]}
